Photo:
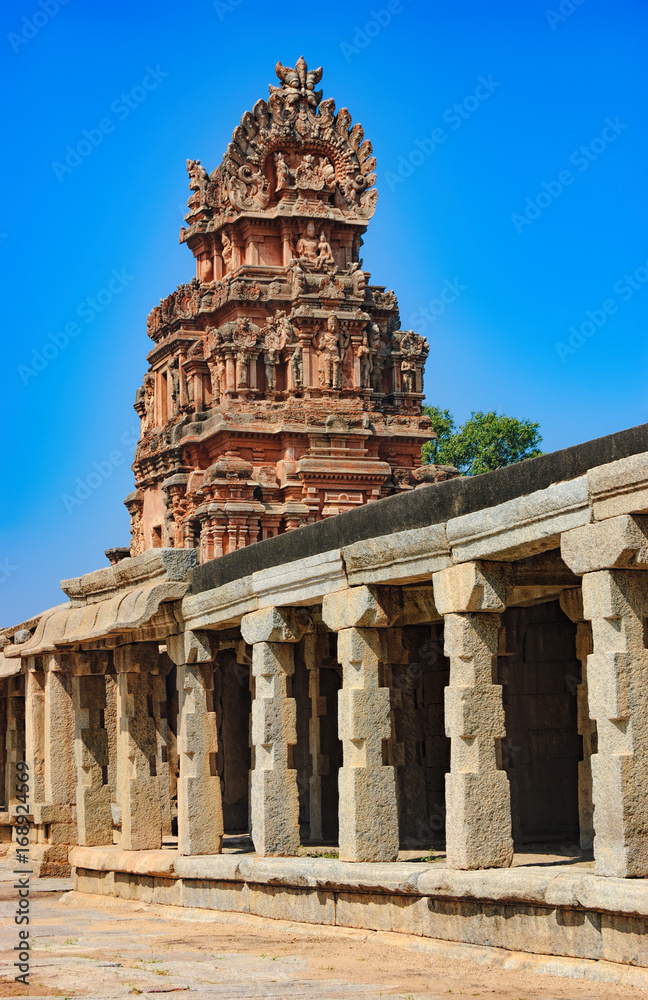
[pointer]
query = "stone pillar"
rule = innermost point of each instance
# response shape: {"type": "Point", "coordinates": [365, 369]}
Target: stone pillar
{"type": "Point", "coordinates": [35, 728]}
{"type": "Point", "coordinates": [3, 746]}
{"type": "Point", "coordinates": [59, 734]}
{"type": "Point", "coordinates": [200, 810]}
{"type": "Point", "coordinates": [571, 602]}
{"type": "Point", "coordinates": [93, 792]}
{"type": "Point", "coordinates": [470, 596]}
{"type": "Point", "coordinates": [49, 739]}
{"type": "Point", "coordinates": [111, 725]}
{"type": "Point", "coordinates": [15, 736]}
{"type": "Point", "coordinates": [367, 806]}
{"type": "Point", "coordinates": [274, 795]}
{"type": "Point", "coordinates": [611, 555]}
{"type": "Point", "coordinates": [137, 747]}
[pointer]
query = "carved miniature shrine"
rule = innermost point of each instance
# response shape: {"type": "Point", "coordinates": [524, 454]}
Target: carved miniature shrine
{"type": "Point", "coordinates": [281, 388]}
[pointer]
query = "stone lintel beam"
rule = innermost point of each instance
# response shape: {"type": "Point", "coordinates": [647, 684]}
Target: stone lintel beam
{"type": "Point", "coordinates": [539, 578]}
{"type": "Point", "coordinates": [471, 586]}
{"type": "Point", "coordinates": [571, 603]}
{"type": "Point", "coordinates": [617, 543]}
{"type": "Point", "coordinates": [80, 663]}
{"type": "Point", "coordinates": [545, 568]}
{"type": "Point", "coordinates": [137, 658]}
{"type": "Point", "coordinates": [379, 607]}
{"type": "Point", "coordinates": [276, 625]}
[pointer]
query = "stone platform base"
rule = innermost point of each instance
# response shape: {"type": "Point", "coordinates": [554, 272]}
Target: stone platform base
{"type": "Point", "coordinates": [45, 860]}
{"type": "Point", "coordinates": [561, 910]}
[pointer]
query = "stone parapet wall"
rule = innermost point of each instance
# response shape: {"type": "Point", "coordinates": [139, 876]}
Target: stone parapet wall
{"type": "Point", "coordinates": [620, 459]}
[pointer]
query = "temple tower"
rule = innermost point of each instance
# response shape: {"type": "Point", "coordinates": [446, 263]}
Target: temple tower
{"type": "Point", "coordinates": [281, 388]}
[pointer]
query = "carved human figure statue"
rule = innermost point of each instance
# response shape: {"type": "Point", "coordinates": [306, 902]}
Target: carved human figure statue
{"type": "Point", "coordinates": [297, 366]}
{"type": "Point", "coordinates": [330, 362]}
{"type": "Point", "coordinates": [308, 175]}
{"type": "Point", "coordinates": [136, 530]}
{"type": "Point", "coordinates": [149, 400]}
{"type": "Point", "coordinates": [307, 246]}
{"type": "Point", "coordinates": [328, 173]}
{"type": "Point", "coordinates": [283, 328]}
{"type": "Point", "coordinates": [408, 375]}
{"type": "Point", "coordinates": [226, 252]}
{"type": "Point", "coordinates": [271, 360]}
{"type": "Point", "coordinates": [378, 351]}
{"type": "Point", "coordinates": [284, 177]}
{"type": "Point", "coordinates": [216, 372]}
{"type": "Point", "coordinates": [241, 369]}
{"type": "Point", "coordinates": [222, 376]}
{"type": "Point", "coordinates": [297, 276]}
{"type": "Point", "coordinates": [363, 353]}
{"type": "Point", "coordinates": [198, 179]}
{"type": "Point", "coordinates": [324, 252]}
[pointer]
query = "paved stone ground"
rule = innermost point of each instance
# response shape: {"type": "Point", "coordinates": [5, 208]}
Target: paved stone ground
{"type": "Point", "coordinates": [97, 948]}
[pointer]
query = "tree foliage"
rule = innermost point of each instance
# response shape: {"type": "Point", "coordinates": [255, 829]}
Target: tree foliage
{"type": "Point", "coordinates": [486, 441]}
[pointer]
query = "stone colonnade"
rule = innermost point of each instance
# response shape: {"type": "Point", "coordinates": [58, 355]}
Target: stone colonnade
{"type": "Point", "coordinates": [93, 724]}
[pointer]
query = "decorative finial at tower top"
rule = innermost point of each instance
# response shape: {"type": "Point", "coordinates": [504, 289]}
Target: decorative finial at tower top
{"type": "Point", "coordinates": [299, 83]}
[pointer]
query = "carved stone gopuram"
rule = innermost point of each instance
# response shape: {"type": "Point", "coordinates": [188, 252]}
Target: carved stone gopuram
{"type": "Point", "coordinates": [281, 388]}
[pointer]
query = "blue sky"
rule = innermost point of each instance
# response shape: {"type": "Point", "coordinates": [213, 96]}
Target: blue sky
{"type": "Point", "coordinates": [511, 147]}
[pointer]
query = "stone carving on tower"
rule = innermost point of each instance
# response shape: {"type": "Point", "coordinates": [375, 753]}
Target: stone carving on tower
{"type": "Point", "coordinates": [281, 388]}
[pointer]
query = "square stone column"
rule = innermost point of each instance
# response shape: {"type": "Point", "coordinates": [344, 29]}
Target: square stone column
{"type": "Point", "coordinates": [470, 596]}
{"type": "Point", "coordinates": [137, 747]}
{"type": "Point", "coordinates": [35, 728]}
{"type": "Point", "coordinates": [367, 805]}
{"type": "Point", "coordinates": [612, 555]}
{"type": "Point", "coordinates": [3, 746]}
{"type": "Point", "coordinates": [200, 810]}
{"type": "Point", "coordinates": [59, 776]}
{"type": "Point", "coordinates": [49, 751]}
{"type": "Point", "coordinates": [15, 736]}
{"type": "Point", "coordinates": [274, 796]}
{"type": "Point", "coordinates": [93, 791]}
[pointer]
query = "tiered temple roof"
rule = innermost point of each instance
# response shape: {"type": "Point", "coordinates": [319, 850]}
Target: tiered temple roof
{"type": "Point", "coordinates": [281, 388]}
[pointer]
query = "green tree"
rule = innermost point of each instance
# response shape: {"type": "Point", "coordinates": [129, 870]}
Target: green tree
{"type": "Point", "coordinates": [485, 442]}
